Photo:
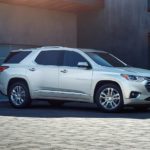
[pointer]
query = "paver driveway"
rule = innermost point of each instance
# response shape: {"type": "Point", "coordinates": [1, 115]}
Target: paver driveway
{"type": "Point", "coordinates": [72, 127]}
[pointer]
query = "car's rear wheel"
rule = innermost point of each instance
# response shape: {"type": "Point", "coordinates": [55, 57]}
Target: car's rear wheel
{"type": "Point", "coordinates": [19, 96]}
{"type": "Point", "coordinates": [56, 103]}
{"type": "Point", "coordinates": [109, 98]}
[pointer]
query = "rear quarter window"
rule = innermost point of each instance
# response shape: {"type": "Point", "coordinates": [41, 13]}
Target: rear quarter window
{"type": "Point", "coordinates": [16, 57]}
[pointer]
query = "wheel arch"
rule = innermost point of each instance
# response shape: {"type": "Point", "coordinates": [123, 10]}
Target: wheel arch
{"type": "Point", "coordinates": [103, 82]}
{"type": "Point", "coordinates": [17, 79]}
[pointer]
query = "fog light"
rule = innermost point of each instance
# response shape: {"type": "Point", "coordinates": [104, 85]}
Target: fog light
{"type": "Point", "coordinates": [135, 94]}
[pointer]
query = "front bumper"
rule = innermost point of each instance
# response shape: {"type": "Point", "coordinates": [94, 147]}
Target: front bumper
{"type": "Point", "coordinates": [137, 101]}
{"type": "Point", "coordinates": [140, 87]}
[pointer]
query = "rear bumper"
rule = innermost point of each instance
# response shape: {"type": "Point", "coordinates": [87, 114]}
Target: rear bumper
{"type": "Point", "coordinates": [3, 91]}
{"type": "Point", "coordinates": [3, 82]}
{"type": "Point", "coordinates": [2, 94]}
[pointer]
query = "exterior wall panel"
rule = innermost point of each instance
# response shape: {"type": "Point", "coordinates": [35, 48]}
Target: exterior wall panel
{"type": "Point", "coordinates": [33, 26]}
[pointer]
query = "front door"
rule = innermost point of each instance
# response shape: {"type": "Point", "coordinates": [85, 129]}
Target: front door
{"type": "Point", "coordinates": [74, 82]}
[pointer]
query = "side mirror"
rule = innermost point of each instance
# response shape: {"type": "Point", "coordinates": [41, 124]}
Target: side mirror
{"type": "Point", "coordinates": [83, 65]}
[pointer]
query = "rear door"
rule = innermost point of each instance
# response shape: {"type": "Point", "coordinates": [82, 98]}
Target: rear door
{"type": "Point", "coordinates": [45, 75]}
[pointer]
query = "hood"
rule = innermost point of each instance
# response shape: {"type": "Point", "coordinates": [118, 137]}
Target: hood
{"type": "Point", "coordinates": [136, 71]}
{"type": "Point", "coordinates": [127, 70]}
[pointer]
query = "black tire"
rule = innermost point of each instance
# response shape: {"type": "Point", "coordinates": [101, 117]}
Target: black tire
{"type": "Point", "coordinates": [25, 99]}
{"type": "Point", "coordinates": [56, 103]}
{"type": "Point", "coordinates": [141, 108]}
{"type": "Point", "coordinates": [99, 101]}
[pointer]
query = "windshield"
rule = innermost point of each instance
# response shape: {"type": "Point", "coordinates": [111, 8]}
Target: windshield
{"type": "Point", "coordinates": [105, 59]}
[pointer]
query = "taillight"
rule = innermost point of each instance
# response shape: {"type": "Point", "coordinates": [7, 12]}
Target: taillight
{"type": "Point", "coordinates": [2, 68]}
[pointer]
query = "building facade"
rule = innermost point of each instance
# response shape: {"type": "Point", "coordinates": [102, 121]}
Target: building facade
{"type": "Point", "coordinates": [27, 23]}
{"type": "Point", "coordinates": [121, 27]}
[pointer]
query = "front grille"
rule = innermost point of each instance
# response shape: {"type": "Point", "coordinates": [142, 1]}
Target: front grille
{"type": "Point", "coordinates": [148, 86]}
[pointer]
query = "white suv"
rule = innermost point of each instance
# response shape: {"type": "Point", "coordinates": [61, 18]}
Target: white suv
{"type": "Point", "coordinates": [60, 74]}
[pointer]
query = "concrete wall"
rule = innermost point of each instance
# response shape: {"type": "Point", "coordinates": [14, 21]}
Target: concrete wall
{"type": "Point", "coordinates": [121, 28]}
{"type": "Point", "coordinates": [33, 26]}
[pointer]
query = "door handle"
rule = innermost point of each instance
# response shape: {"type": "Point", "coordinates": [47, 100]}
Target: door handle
{"type": "Point", "coordinates": [64, 71]}
{"type": "Point", "coordinates": [32, 69]}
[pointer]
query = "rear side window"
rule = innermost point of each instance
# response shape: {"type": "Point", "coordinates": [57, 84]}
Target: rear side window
{"type": "Point", "coordinates": [49, 58]}
{"type": "Point", "coordinates": [16, 57]}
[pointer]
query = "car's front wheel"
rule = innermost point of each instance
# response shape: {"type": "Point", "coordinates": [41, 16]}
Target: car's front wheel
{"type": "Point", "coordinates": [19, 96]}
{"type": "Point", "coordinates": [109, 98]}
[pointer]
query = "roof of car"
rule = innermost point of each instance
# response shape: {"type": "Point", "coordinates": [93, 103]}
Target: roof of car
{"type": "Point", "coordinates": [59, 47]}
{"type": "Point", "coordinates": [92, 50]}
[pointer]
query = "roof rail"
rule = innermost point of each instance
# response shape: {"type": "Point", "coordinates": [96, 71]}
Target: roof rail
{"type": "Point", "coordinates": [51, 46]}
{"type": "Point", "coordinates": [13, 50]}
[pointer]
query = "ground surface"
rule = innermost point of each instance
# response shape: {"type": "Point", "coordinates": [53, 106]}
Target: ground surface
{"type": "Point", "coordinates": [72, 127]}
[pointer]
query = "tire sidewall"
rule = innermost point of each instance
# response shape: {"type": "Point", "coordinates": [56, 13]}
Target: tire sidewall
{"type": "Point", "coordinates": [119, 107]}
{"type": "Point", "coordinates": [27, 100]}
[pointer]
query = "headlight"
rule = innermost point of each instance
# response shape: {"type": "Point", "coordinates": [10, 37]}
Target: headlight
{"type": "Point", "coordinates": [133, 77]}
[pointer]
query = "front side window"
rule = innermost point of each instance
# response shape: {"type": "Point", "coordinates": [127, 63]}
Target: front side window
{"type": "Point", "coordinates": [48, 58]}
{"type": "Point", "coordinates": [72, 59]}
{"type": "Point", "coordinates": [105, 59]}
{"type": "Point", "coordinates": [16, 57]}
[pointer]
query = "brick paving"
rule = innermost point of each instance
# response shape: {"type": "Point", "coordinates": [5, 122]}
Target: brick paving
{"type": "Point", "coordinates": [72, 127]}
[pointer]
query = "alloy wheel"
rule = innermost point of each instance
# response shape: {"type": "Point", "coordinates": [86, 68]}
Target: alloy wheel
{"type": "Point", "coordinates": [18, 95]}
{"type": "Point", "coordinates": [110, 98]}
